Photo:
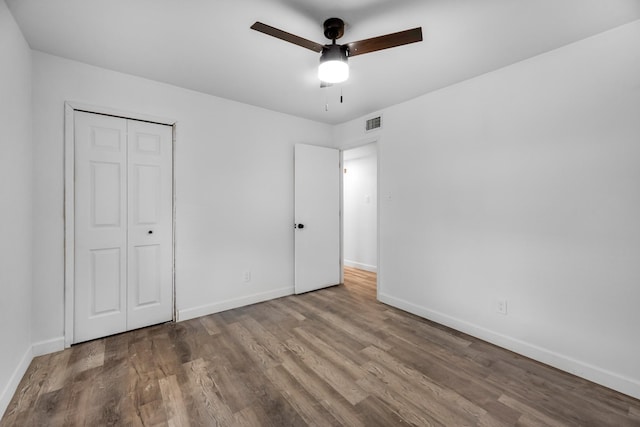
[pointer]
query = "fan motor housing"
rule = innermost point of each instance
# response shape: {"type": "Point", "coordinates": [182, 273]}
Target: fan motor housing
{"type": "Point", "coordinates": [333, 28]}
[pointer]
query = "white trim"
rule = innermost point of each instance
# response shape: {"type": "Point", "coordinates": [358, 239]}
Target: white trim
{"type": "Point", "coordinates": [378, 221]}
{"type": "Point", "coordinates": [14, 381]}
{"type": "Point", "coordinates": [360, 266]}
{"type": "Point", "coordinates": [48, 346]}
{"type": "Point", "coordinates": [119, 113]}
{"type": "Point", "coordinates": [360, 142]}
{"type": "Point", "coordinates": [341, 212]}
{"type": "Point", "coordinates": [204, 310]}
{"type": "Point", "coordinates": [69, 189]}
{"type": "Point", "coordinates": [581, 369]}
{"type": "Point", "coordinates": [69, 231]}
{"type": "Point", "coordinates": [174, 312]}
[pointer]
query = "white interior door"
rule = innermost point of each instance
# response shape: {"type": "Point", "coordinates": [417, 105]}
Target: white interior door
{"type": "Point", "coordinates": [317, 217]}
{"type": "Point", "coordinates": [123, 225]}
{"type": "Point", "coordinates": [150, 260]}
{"type": "Point", "coordinates": [100, 226]}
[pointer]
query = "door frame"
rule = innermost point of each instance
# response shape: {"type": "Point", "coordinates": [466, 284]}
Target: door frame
{"type": "Point", "coordinates": [349, 146]}
{"type": "Point", "coordinates": [70, 108]}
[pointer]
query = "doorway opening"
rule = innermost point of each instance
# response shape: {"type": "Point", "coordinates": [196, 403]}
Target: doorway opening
{"type": "Point", "coordinates": [360, 215]}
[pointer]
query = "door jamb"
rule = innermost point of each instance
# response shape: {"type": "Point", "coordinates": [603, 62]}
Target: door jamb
{"type": "Point", "coordinates": [70, 108]}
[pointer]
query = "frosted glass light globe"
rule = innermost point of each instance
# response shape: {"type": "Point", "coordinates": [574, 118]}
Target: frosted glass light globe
{"type": "Point", "coordinates": [333, 71]}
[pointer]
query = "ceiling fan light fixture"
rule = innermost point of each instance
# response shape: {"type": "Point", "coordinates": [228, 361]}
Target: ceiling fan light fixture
{"type": "Point", "coordinates": [333, 64]}
{"type": "Point", "coordinates": [333, 61]}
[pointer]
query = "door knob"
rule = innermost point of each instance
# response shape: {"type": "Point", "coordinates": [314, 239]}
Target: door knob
{"type": "Point", "coordinates": [300, 225]}
{"type": "Point", "coordinates": [150, 232]}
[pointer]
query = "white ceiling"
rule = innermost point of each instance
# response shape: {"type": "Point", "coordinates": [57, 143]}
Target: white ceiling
{"type": "Point", "coordinates": [207, 46]}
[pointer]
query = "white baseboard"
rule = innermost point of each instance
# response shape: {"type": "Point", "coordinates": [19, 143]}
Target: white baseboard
{"type": "Point", "coordinates": [361, 266]}
{"type": "Point", "coordinates": [203, 310]}
{"type": "Point", "coordinates": [626, 385]}
{"type": "Point", "coordinates": [11, 387]}
{"type": "Point", "coordinates": [48, 346]}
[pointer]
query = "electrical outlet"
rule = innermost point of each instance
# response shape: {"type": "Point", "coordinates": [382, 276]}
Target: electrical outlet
{"type": "Point", "coordinates": [246, 276]}
{"type": "Point", "coordinates": [501, 306]}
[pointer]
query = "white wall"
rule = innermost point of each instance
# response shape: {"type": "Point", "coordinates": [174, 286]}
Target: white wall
{"type": "Point", "coordinates": [234, 188]}
{"type": "Point", "coordinates": [523, 184]}
{"type": "Point", "coordinates": [360, 207]}
{"type": "Point", "coordinates": [15, 206]}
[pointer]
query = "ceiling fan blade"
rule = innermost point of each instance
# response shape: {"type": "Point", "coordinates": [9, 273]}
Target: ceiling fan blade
{"type": "Point", "coordinates": [385, 42]}
{"type": "Point", "coordinates": [288, 37]}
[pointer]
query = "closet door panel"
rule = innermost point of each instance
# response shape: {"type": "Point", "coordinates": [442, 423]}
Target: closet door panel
{"type": "Point", "coordinates": [150, 225]}
{"type": "Point", "coordinates": [100, 306]}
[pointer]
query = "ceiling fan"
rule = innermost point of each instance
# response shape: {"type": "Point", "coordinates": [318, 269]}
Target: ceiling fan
{"type": "Point", "coordinates": [333, 60]}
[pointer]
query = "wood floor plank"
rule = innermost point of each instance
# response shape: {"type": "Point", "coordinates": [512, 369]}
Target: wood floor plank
{"type": "Point", "coordinates": [80, 396]}
{"type": "Point", "coordinates": [562, 408]}
{"type": "Point", "coordinates": [174, 406]}
{"type": "Point", "coordinates": [337, 300]}
{"type": "Point", "coordinates": [332, 357]}
{"type": "Point", "coordinates": [344, 344]}
{"type": "Point", "coordinates": [247, 417]}
{"type": "Point", "coordinates": [211, 409]}
{"type": "Point", "coordinates": [405, 409]}
{"type": "Point", "coordinates": [429, 403]}
{"type": "Point", "coordinates": [424, 329]}
{"type": "Point", "coordinates": [29, 390]}
{"type": "Point", "coordinates": [256, 352]}
{"type": "Point", "coordinates": [333, 402]}
{"type": "Point", "coordinates": [440, 397]}
{"type": "Point", "coordinates": [88, 355]}
{"type": "Point", "coordinates": [329, 373]}
{"type": "Point", "coordinates": [376, 412]}
{"type": "Point", "coordinates": [263, 397]}
{"type": "Point", "coordinates": [328, 352]}
{"type": "Point", "coordinates": [211, 324]}
{"type": "Point", "coordinates": [165, 356]}
{"type": "Point", "coordinates": [309, 409]}
{"type": "Point", "coordinates": [264, 337]}
{"type": "Point", "coordinates": [530, 414]}
{"type": "Point", "coordinates": [45, 411]}
{"type": "Point", "coordinates": [336, 321]}
{"type": "Point", "coordinates": [286, 308]}
{"type": "Point", "coordinates": [449, 371]}
{"type": "Point", "coordinates": [234, 392]}
{"type": "Point", "coordinates": [58, 376]}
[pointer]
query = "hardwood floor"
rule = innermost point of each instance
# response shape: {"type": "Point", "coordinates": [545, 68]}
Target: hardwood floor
{"type": "Point", "coordinates": [332, 357]}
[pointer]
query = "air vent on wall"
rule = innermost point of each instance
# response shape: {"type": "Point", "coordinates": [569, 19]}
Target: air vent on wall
{"type": "Point", "coordinates": [373, 123]}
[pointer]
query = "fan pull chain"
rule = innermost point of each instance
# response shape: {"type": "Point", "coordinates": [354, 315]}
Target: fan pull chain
{"type": "Point", "coordinates": [326, 100]}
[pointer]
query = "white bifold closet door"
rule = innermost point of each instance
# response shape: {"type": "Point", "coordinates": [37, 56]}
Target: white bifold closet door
{"type": "Point", "coordinates": [123, 225]}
